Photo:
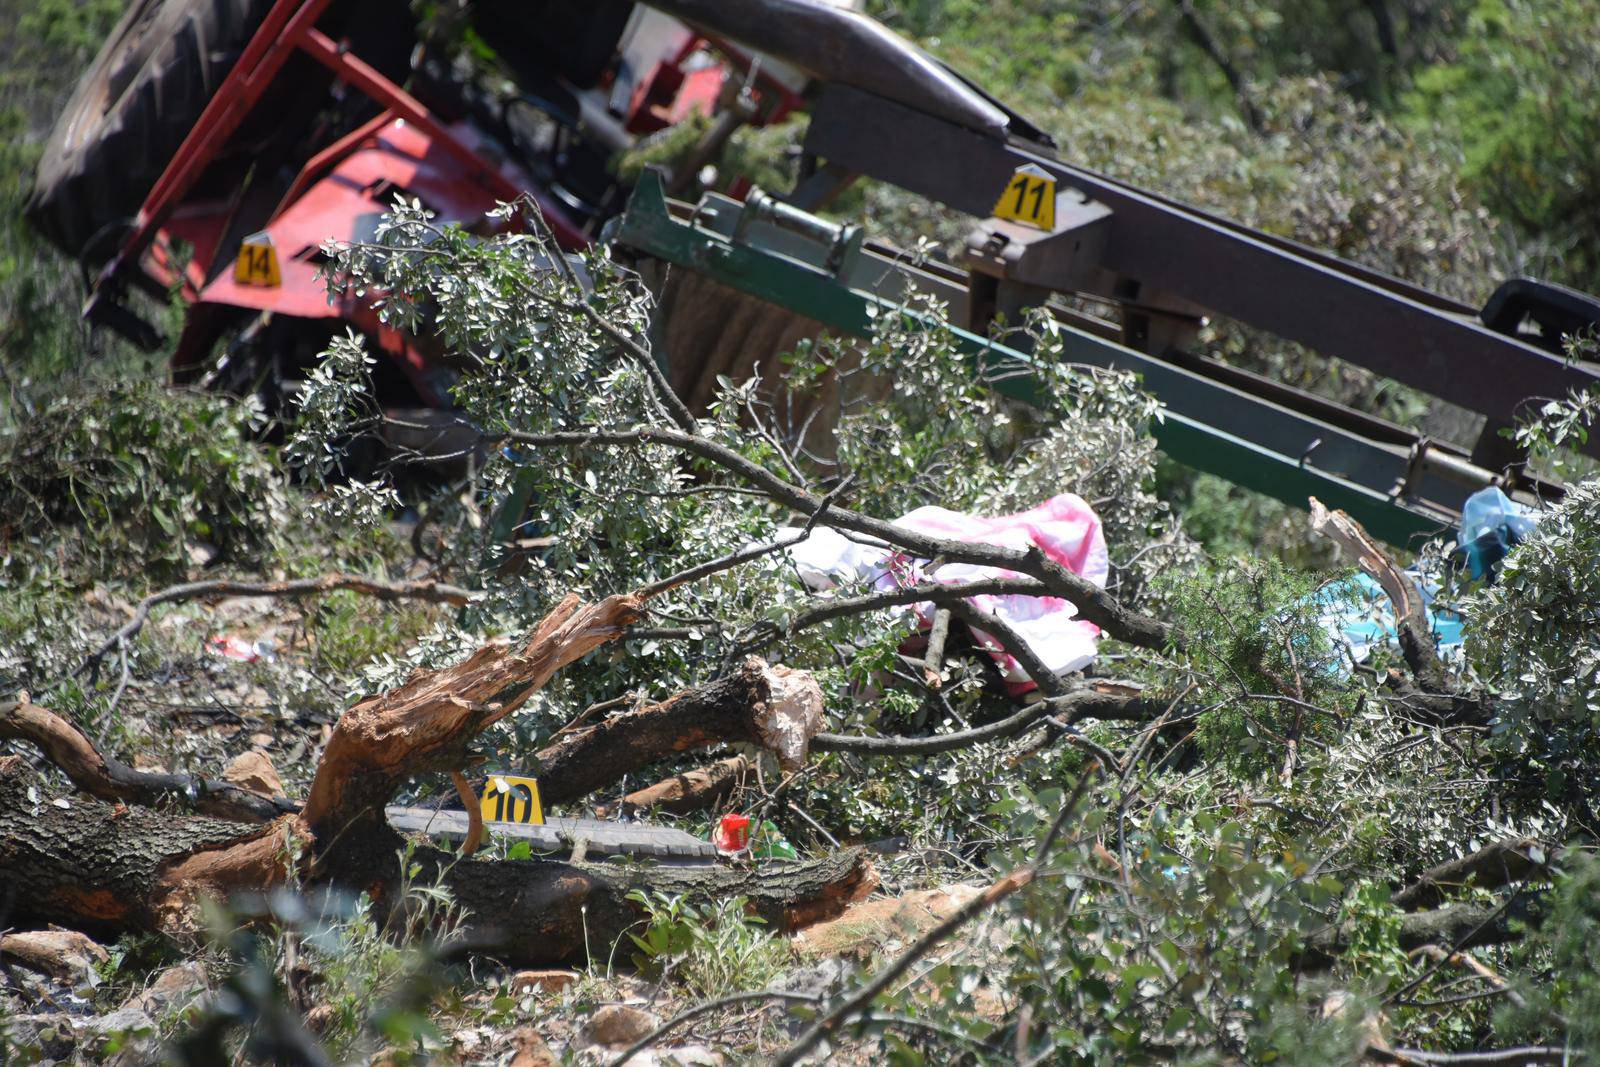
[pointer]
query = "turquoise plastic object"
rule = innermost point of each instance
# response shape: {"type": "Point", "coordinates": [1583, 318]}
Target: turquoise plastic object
{"type": "Point", "coordinates": [1492, 524]}
{"type": "Point", "coordinates": [1357, 614]}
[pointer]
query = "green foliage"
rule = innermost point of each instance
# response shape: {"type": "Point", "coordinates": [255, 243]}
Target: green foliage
{"type": "Point", "coordinates": [1564, 1007]}
{"type": "Point", "coordinates": [710, 947]}
{"type": "Point", "coordinates": [1563, 425]}
{"type": "Point", "coordinates": [1533, 634]}
{"type": "Point", "coordinates": [349, 633]}
{"type": "Point", "coordinates": [43, 345]}
{"type": "Point", "coordinates": [1258, 650]}
{"type": "Point", "coordinates": [1522, 98]}
{"type": "Point", "coordinates": [1191, 948]}
{"type": "Point", "coordinates": [1372, 936]}
{"type": "Point", "coordinates": [361, 962]}
{"type": "Point", "coordinates": [1230, 521]}
{"type": "Point", "coordinates": [136, 473]}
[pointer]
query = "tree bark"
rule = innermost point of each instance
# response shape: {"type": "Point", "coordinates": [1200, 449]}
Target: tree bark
{"type": "Point", "coordinates": [99, 866]}
{"type": "Point", "coordinates": [109, 869]}
{"type": "Point", "coordinates": [754, 705]}
{"type": "Point", "coordinates": [70, 749]}
{"type": "Point", "coordinates": [1495, 864]}
{"type": "Point", "coordinates": [695, 790]}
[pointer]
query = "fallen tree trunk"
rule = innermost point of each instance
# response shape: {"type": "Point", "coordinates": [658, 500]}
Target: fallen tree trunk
{"type": "Point", "coordinates": [104, 867]}
{"type": "Point", "coordinates": [110, 870]}
{"type": "Point", "coordinates": [92, 862]}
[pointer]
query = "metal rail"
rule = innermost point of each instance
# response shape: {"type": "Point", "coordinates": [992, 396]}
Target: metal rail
{"type": "Point", "coordinates": [1154, 244]}
{"type": "Point", "coordinates": [1401, 490]}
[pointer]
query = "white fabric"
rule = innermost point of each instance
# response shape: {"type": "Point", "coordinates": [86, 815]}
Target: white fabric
{"type": "Point", "coordinates": [1065, 527]}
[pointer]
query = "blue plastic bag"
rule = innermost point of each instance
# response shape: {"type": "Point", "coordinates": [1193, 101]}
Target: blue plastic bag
{"type": "Point", "coordinates": [1492, 524]}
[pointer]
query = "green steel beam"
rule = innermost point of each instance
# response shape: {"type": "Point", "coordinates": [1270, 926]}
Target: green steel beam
{"type": "Point", "coordinates": [649, 227]}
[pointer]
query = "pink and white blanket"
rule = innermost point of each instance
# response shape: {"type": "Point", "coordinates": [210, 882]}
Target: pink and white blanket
{"type": "Point", "coordinates": [1065, 527]}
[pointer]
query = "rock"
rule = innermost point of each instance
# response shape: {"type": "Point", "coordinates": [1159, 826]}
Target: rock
{"type": "Point", "coordinates": [125, 1037]}
{"type": "Point", "coordinates": [64, 955]}
{"type": "Point", "coordinates": [865, 927]}
{"type": "Point", "coordinates": [45, 1037]}
{"type": "Point", "coordinates": [617, 1024]}
{"type": "Point", "coordinates": [686, 1056]}
{"type": "Point", "coordinates": [253, 770]}
{"type": "Point", "coordinates": [172, 989]}
{"type": "Point", "coordinates": [547, 983]}
{"type": "Point", "coordinates": [531, 1051]}
{"type": "Point", "coordinates": [320, 1017]}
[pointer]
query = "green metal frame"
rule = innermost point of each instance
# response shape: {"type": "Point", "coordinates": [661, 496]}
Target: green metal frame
{"type": "Point", "coordinates": [756, 265]}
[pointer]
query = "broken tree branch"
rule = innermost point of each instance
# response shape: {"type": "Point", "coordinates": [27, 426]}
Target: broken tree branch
{"type": "Point", "coordinates": [1495, 864]}
{"type": "Point", "coordinates": [776, 708]}
{"type": "Point", "coordinates": [70, 749]}
{"type": "Point", "coordinates": [427, 722]}
{"type": "Point", "coordinates": [693, 790]}
{"type": "Point", "coordinates": [1093, 603]}
{"type": "Point", "coordinates": [1410, 609]}
{"type": "Point", "coordinates": [427, 589]}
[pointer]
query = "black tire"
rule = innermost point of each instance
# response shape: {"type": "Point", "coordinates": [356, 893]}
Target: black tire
{"type": "Point", "coordinates": [129, 113]}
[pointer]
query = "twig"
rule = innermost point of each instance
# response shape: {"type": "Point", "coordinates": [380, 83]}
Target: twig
{"type": "Point", "coordinates": [862, 998]}
{"type": "Point", "coordinates": [469, 800]}
{"type": "Point", "coordinates": [102, 733]}
{"type": "Point", "coordinates": [933, 658]}
{"type": "Point", "coordinates": [1466, 938]}
{"type": "Point", "coordinates": [1477, 967]}
{"type": "Point", "coordinates": [1082, 704]}
{"type": "Point", "coordinates": [428, 589]}
{"type": "Point", "coordinates": [1094, 604]}
{"type": "Point", "coordinates": [703, 1009]}
{"type": "Point", "coordinates": [824, 610]}
{"type": "Point", "coordinates": [814, 824]}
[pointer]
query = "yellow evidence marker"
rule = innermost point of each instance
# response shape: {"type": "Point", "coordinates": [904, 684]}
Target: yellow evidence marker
{"type": "Point", "coordinates": [511, 799]}
{"type": "Point", "coordinates": [1029, 198]}
{"type": "Point", "coordinates": [258, 262]}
